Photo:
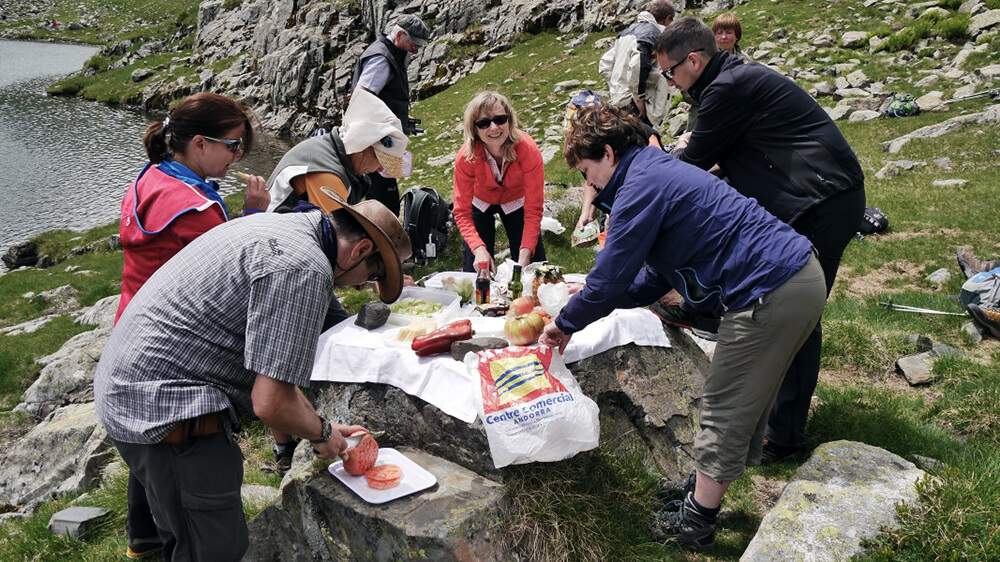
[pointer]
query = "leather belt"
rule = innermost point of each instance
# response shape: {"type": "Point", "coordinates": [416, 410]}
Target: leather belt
{"type": "Point", "coordinates": [208, 424]}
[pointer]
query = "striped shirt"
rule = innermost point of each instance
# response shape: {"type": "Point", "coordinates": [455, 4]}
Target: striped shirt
{"type": "Point", "coordinates": [247, 297]}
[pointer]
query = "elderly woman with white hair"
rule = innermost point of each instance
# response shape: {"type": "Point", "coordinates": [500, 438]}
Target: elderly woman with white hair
{"type": "Point", "coordinates": [498, 171]}
{"type": "Point", "coordinates": [370, 140]}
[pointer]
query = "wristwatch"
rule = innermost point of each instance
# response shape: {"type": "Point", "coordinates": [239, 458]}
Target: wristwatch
{"type": "Point", "coordinates": [325, 434]}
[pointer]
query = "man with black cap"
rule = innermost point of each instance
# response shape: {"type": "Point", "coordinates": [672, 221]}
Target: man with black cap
{"type": "Point", "coordinates": [226, 330]}
{"type": "Point", "coordinates": [381, 70]}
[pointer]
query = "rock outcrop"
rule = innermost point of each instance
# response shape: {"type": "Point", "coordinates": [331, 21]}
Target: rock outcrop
{"type": "Point", "coordinates": [67, 375]}
{"type": "Point", "coordinates": [62, 455]}
{"type": "Point", "coordinates": [319, 519]}
{"type": "Point", "coordinates": [293, 60]}
{"type": "Point", "coordinates": [651, 391]}
{"type": "Point", "coordinates": [844, 494]}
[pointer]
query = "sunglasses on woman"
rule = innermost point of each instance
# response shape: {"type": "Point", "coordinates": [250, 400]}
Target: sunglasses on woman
{"type": "Point", "coordinates": [497, 120]}
{"type": "Point", "coordinates": [232, 145]}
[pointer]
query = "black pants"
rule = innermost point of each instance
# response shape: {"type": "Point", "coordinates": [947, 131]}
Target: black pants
{"type": "Point", "coordinates": [193, 493]}
{"type": "Point", "coordinates": [513, 224]}
{"type": "Point", "coordinates": [385, 191]}
{"type": "Point", "coordinates": [830, 226]}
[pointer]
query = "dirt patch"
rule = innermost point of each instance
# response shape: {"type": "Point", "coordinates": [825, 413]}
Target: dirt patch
{"type": "Point", "coordinates": [893, 277]}
{"type": "Point", "coordinates": [766, 491]}
{"type": "Point", "coordinates": [888, 380]}
{"type": "Point", "coordinates": [909, 235]}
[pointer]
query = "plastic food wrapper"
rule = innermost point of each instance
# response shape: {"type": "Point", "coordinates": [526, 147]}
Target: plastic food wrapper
{"type": "Point", "coordinates": [553, 297]}
{"type": "Point", "coordinates": [531, 406]}
{"type": "Point", "coordinates": [552, 225]}
{"type": "Point", "coordinates": [586, 235]}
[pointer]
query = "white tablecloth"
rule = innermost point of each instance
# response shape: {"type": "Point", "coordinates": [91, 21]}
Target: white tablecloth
{"type": "Point", "coordinates": [349, 353]}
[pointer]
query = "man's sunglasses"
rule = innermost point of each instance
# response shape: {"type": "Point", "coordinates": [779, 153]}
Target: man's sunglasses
{"type": "Point", "coordinates": [380, 271]}
{"type": "Point", "coordinates": [669, 73]}
{"type": "Point", "coordinates": [497, 120]}
{"type": "Point", "coordinates": [233, 145]}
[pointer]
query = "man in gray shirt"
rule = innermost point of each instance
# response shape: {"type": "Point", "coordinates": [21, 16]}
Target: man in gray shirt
{"type": "Point", "coordinates": [226, 330]}
{"type": "Point", "coordinates": [381, 70]}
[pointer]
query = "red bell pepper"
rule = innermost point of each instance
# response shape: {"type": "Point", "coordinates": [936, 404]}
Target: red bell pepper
{"type": "Point", "coordinates": [440, 340]}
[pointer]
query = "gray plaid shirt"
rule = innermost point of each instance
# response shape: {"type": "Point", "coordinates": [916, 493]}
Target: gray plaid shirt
{"type": "Point", "coordinates": [247, 297]}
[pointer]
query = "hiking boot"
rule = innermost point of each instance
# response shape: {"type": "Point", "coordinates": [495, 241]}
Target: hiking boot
{"type": "Point", "coordinates": [685, 523]}
{"type": "Point", "coordinates": [987, 317]}
{"type": "Point", "coordinates": [670, 491]}
{"type": "Point", "coordinates": [772, 453]}
{"type": "Point", "coordinates": [143, 548]}
{"type": "Point", "coordinates": [970, 264]}
{"type": "Point", "coordinates": [283, 453]}
{"type": "Point", "coordinates": [705, 327]}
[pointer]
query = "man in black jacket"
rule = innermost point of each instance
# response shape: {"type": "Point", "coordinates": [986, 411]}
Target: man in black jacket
{"type": "Point", "coordinates": [381, 70]}
{"type": "Point", "coordinates": [776, 144]}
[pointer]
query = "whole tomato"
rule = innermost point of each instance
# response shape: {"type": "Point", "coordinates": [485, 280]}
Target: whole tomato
{"type": "Point", "coordinates": [524, 329]}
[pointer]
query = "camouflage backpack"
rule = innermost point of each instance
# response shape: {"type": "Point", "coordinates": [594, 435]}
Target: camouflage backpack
{"type": "Point", "coordinates": [902, 105]}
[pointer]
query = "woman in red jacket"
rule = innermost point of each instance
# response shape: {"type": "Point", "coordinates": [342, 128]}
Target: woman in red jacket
{"type": "Point", "coordinates": [171, 202]}
{"type": "Point", "coordinates": [498, 171]}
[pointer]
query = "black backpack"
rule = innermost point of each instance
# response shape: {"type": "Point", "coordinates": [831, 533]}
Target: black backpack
{"type": "Point", "coordinates": [425, 218]}
{"type": "Point", "coordinates": [874, 221]}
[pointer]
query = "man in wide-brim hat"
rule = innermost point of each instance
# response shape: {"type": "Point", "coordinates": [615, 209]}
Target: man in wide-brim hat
{"type": "Point", "coordinates": [225, 331]}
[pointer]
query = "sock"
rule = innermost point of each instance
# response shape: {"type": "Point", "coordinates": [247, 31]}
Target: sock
{"type": "Point", "coordinates": [709, 514]}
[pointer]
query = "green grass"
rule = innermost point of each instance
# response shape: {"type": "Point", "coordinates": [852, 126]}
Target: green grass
{"type": "Point", "coordinates": [114, 18]}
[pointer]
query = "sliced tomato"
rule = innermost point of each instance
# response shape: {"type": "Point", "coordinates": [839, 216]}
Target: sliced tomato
{"type": "Point", "coordinates": [384, 472]}
{"type": "Point", "coordinates": [383, 484]}
{"type": "Point", "coordinates": [362, 457]}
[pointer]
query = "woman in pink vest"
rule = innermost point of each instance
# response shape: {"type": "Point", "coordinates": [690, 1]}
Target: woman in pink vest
{"type": "Point", "coordinates": [170, 203]}
{"type": "Point", "coordinates": [498, 171]}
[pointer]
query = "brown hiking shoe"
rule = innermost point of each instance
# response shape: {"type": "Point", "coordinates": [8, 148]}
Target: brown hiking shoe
{"type": "Point", "coordinates": [970, 264]}
{"type": "Point", "coordinates": [987, 317]}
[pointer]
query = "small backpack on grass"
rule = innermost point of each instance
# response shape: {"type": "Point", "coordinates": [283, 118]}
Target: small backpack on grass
{"type": "Point", "coordinates": [874, 221]}
{"type": "Point", "coordinates": [425, 218]}
{"type": "Point", "coordinates": [902, 105]}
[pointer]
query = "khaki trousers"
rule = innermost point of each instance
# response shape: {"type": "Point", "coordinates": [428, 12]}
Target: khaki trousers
{"type": "Point", "coordinates": [755, 346]}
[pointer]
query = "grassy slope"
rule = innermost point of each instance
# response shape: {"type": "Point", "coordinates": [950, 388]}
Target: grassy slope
{"type": "Point", "coordinates": [115, 21]}
{"type": "Point", "coordinates": [594, 507]}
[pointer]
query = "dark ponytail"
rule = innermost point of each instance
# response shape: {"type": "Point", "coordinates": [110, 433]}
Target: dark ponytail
{"type": "Point", "coordinates": [205, 114]}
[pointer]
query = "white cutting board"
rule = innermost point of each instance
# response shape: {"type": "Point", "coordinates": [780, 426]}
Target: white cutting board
{"type": "Point", "coordinates": [414, 479]}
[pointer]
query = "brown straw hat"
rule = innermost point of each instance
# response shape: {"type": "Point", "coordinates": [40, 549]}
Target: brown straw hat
{"type": "Point", "coordinates": [391, 241]}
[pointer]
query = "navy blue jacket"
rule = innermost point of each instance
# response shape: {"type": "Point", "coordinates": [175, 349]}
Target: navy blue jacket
{"type": "Point", "coordinates": [676, 226]}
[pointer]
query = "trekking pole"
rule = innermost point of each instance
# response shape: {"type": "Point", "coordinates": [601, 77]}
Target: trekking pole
{"type": "Point", "coordinates": [917, 310]}
{"type": "Point", "coordinates": [993, 94]}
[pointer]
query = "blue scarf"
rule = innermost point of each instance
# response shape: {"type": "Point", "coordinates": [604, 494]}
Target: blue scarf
{"type": "Point", "coordinates": [181, 172]}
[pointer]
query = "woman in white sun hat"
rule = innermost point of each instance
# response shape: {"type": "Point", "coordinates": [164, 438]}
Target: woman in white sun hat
{"type": "Point", "coordinates": [369, 140]}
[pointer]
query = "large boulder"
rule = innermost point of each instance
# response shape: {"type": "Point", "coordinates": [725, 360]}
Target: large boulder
{"type": "Point", "coordinates": [655, 390]}
{"type": "Point", "coordinates": [62, 455]}
{"type": "Point", "coordinates": [101, 313]}
{"type": "Point", "coordinates": [983, 21]}
{"type": "Point", "coordinates": [989, 116]}
{"type": "Point", "coordinates": [319, 519]}
{"type": "Point", "coordinates": [18, 255]}
{"type": "Point", "coordinates": [844, 494]}
{"type": "Point", "coordinates": [67, 375]}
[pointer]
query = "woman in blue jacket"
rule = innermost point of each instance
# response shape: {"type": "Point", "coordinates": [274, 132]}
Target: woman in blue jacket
{"type": "Point", "coordinates": [675, 226]}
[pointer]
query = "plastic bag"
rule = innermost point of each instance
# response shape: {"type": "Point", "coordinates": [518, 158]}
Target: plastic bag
{"type": "Point", "coordinates": [553, 297]}
{"type": "Point", "coordinates": [531, 406]}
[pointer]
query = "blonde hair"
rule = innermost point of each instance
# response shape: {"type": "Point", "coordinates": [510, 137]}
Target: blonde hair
{"type": "Point", "coordinates": [486, 100]}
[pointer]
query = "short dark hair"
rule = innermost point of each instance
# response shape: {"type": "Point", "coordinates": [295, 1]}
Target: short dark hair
{"type": "Point", "coordinates": [684, 36]}
{"type": "Point", "coordinates": [661, 10]}
{"type": "Point", "coordinates": [346, 226]}
{"type": "Point", "coordinates": [594, 127]}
